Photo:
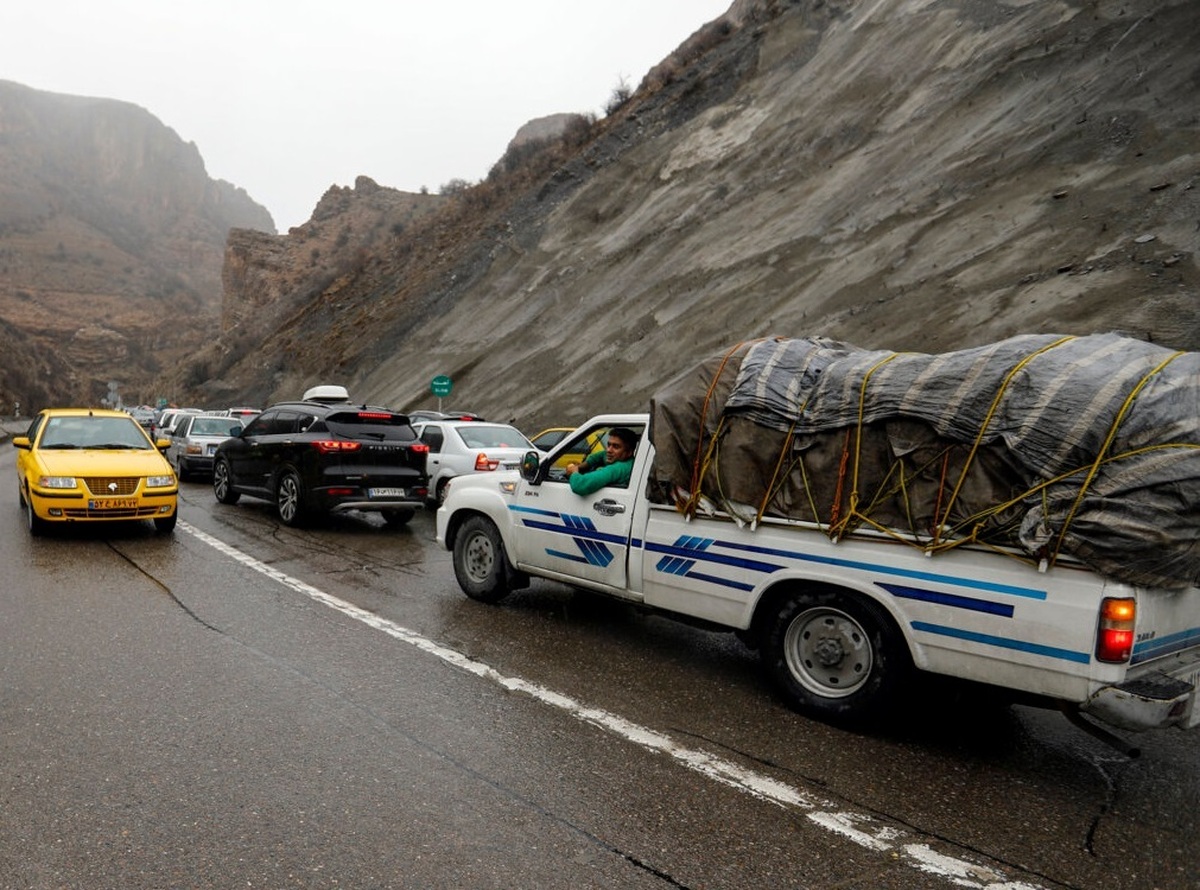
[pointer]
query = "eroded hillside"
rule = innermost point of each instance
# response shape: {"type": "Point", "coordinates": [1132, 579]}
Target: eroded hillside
{"type": "Point", "coordinates": [917, 175]}
{"type": "Point", "coordinates": [112, 241]}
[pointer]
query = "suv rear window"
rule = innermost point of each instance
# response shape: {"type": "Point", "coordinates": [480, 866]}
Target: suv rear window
{"type": "Point", "coordinates": [378, 424]}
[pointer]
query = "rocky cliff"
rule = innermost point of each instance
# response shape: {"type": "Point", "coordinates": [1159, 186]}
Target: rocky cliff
{"type": "Point", "coordinates": [917, 175]}
{"type": "Point", "coordinates": [112, 240]}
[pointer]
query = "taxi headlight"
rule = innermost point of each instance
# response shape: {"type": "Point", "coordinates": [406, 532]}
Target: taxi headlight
{"type": "Point", "coordinates": [56, 482]}
{"type": "Point", "coordinates": [160, 481]}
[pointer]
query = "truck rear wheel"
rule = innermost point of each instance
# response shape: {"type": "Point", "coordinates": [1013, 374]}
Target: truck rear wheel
{"type": "Point", "coordinates": [480, 564]}
{"type": "Point", "coordinates": [836, 657]}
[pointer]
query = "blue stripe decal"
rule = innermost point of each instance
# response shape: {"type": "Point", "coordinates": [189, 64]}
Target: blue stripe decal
{"type": "Point", "coordinates": [590, 534]}
{"type": "Point", "coordinates": [724, 582]}
{"type": "Point", "coordinates": [751, 565]}
{"type": "Point", "coordinates": [1002, 642]}
{"type": "Point", "coordinates": [534, 511]}
{"type": "Point", "coordinates": [1032, 593]}
{"type": "Point", "coordinates": [571, 556]}
{"type": "Point", "coordinates": [1157, 648]}
{"type": "Point", "coordinates": [1005, 610]}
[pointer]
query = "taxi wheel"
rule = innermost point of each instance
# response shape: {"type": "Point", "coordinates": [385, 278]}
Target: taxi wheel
{"type": "Point", "coordinates": [37, 525]}
{"type": "Point", "coordinates": [166, 524]}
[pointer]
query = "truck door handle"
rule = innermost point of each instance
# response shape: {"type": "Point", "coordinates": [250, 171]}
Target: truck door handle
{"type": "Point", "coordinates": [608, 507]}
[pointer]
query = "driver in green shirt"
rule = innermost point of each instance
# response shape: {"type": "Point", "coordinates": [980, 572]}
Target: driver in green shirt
{"type": "Point", "coordinates": [610, 467]}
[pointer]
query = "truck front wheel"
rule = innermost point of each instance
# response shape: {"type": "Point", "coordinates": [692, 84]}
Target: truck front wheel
{"type": "Point", "coordinates": [836, 657]}
{"type": "Point", "coordinates": [480, 564]}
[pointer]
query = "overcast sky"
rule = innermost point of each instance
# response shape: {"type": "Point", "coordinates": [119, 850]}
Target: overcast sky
{"type": "Point", "coordinates": [288, 97]}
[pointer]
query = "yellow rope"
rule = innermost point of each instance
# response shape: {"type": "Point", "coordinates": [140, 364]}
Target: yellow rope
{"type": "Point", "coordinates": [1112, 434]}
{"type": "Point", "coordinates": [991, 413]}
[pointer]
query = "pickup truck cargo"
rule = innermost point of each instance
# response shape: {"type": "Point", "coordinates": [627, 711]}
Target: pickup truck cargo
{"type": "Point", "coordinates": [854, 546]}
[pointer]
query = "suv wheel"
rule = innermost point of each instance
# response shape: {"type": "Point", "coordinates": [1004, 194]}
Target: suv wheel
{"type": "Point", "coordinates": [289, 499]}
{"type": "Point", "coordinates": [223, 483]}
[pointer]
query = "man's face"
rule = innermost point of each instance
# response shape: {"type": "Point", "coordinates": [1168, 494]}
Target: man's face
{"type": "Point", "coordinates": [617, 450]}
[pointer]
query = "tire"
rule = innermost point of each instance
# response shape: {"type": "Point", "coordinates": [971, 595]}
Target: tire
{"type": "Point", "coordinates": [223, 482]}
{"type": "Point", "coordinates": [480, 563]}
{"type": "Point", "coordinates": [440, 496]}
{"type": "Point", "coordinates": [289, 499]}
{"type": "Point", "coordinates": [166, 525]}
{"type": "Point", "coordinates": [399, 516]}
{"type": "Point", "coordinates": [36, 525]}
{"type": "Point", "coordinates": [180, 471]}
{"type": "Point", "coordinates": [837, 657]}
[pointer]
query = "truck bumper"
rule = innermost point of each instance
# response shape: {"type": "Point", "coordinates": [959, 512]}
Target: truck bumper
{"type": "Point", "coordinates": [1166, 696]}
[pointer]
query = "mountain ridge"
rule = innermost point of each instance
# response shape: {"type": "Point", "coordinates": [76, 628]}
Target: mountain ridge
{"type": "Point", "coordinates": [918, 176]}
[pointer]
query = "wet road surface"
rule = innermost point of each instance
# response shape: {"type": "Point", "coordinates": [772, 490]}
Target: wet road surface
{"type": "Point", "coordinates": [246, 704]}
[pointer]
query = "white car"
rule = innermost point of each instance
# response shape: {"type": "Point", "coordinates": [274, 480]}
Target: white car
{"type": "Point", "coordinates": [459, 447]}
{"type": "Point", "coordinates": [195, 441]}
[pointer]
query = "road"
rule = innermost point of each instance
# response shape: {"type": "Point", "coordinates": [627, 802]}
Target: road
{"type": "Point", "coordinates": [242, 704]}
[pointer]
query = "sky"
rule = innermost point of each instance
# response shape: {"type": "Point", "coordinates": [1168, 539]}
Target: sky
{"type": "Point", "coordinates": [286, 98]}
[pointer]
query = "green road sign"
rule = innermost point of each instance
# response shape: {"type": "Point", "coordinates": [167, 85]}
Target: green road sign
{"type": "Point", "coordinates": [440, 385]}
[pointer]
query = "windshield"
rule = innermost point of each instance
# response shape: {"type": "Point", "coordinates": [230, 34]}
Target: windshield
{"type": "Point", "coordinates": [370, 423]}
{"type": "Point", "coordinates": [93, 432]}
{"type": "Point", "coordinates": [215, 426]}
{"type": "Point", "coordinates": [478, 435]}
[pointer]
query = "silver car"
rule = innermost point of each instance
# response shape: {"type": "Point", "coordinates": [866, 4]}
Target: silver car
{"type": "Point", "coordinates": [195, 441]}
{"type": "Point", "coordinates": [458, 447]}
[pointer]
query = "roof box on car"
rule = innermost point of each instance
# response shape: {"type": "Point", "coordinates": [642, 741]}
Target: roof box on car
{"type": "Point", "coordinates": [326, 393]}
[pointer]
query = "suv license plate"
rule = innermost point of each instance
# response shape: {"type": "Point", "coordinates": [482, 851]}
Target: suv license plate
{"type": "Point", "coordinates": [386, 492]}
{"type": "Point", "coordinates": [113, 504]}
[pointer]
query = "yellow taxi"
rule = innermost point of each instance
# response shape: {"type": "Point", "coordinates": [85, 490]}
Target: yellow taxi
{"type": "Point", "coordinates": [93, 465]}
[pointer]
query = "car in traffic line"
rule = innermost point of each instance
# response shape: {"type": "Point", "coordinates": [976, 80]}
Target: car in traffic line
{"type": "Point", "coordinates": [322, 454]}
{"type": "Point", "coordinates": [459, 447]}
{"type": "Point", "coordinates": [548, 438]}
{"type": "Point", "coordinates": [195, 439]}
{"type": "Point", "coordinates": [93, 465]}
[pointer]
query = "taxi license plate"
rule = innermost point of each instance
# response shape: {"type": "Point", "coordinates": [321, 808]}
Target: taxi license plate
{"type": "Point", "coordinates": [386, 492]}
{"type": "Point", "coordinates": [113, 504]}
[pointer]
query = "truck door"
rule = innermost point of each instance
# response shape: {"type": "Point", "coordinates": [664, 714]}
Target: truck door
{"type": "Point", "coordinates": [580, 539]}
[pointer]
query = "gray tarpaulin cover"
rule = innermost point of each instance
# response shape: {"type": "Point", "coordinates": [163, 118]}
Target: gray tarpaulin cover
{"type": "Point", "coordinates": [1053, 445]}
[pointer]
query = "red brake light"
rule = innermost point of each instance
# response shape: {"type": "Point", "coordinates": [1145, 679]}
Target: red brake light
{"type": "Point", "coordinates": [1114, 643]}
{"type": "Point", "coordinates": [331, 446]}
{"type": "Point", "coordinates": [484, 463]}
{"type": "Point", "coordinates": [374, 415]}
{"type": "Point", "coordinates": [420, 448]}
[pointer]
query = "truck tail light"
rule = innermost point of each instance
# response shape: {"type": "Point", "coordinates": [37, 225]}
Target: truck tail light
{"type": "Point", "coordinates": [332, 446]}
{"type": "Point", "coordinates": [484, 463]}
{"type": "Point", "coordinates": [1117, 619]}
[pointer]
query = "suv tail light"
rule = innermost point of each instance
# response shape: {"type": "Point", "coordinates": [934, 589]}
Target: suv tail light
{"type": "Point", "coordinates": [1114, 643]}
{"type": "Point", "coordinates": [484, 463]}
{"type": "Point", "coordinates": [333, 446]}
{"type": "Point", "coordinates": [420, 448]}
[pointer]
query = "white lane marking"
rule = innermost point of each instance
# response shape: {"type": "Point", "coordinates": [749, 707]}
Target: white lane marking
{"type": "Point", "coordinates": [860, 828]}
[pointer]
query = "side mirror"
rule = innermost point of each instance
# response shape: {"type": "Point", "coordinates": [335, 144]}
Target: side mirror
{"type": "Point", "coordinates": [529, 466]}
{"type": "Point", "coordinates": [162, 444]}
{"type": "Point", "coordinates": [21, 442]}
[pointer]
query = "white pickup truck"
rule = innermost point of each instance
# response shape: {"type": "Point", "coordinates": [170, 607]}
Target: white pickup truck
{"type": "Point", "coordinates": [840, 626]}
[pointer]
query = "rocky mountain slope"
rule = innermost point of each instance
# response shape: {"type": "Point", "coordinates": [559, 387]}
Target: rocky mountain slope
{"type": "Point", "coordinates": [112, 240]}
{"type": "Point", "coordinates": [918, 175]}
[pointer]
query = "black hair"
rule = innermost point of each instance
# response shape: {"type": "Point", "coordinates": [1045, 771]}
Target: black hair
{"type": "Point", "coordinates": [626, 435]}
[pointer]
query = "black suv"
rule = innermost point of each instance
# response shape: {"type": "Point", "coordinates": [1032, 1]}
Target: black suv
{"type": "Point", "coordinates": [323, 454]}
